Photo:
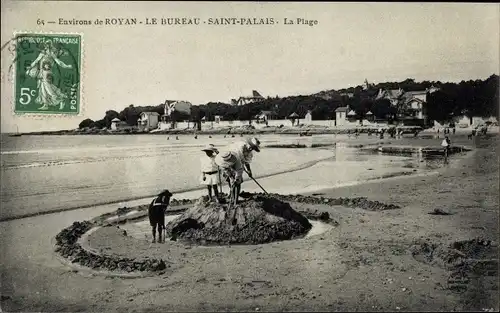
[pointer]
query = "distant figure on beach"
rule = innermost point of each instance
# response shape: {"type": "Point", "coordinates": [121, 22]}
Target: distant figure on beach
{"type": "Point", "coordinates": [176, 137]}
{"type": "Point", "coordinates": [392, 132]}
{"type": "Point", "coordinates": [209, 136]}
{"type": "Point", "coordinates": [196, 137]}
{"type": "Point", "coordinates": [210, 171]}
{"type": "Point", "coordinates": [446, 143]}
{"type": "Point", "coordinates": [156, 213]}
{"type": "Point", "coordinates": [168, 138]}
{"type": "Point", "coordinates": [232, 171]}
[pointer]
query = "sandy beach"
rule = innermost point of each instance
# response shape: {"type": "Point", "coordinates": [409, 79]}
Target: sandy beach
{"type": "Point", "coordinates": [363, 264]}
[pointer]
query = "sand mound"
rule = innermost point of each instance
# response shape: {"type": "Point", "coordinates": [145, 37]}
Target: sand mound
{"type": "Point", "coordinates": [463, 259]}
{"type": "Point", "coordinates": [455, 254]}
{"type": "Point", "coordinates": [254, 221]}
{"type": "Point", "coordinates": [67, 246]}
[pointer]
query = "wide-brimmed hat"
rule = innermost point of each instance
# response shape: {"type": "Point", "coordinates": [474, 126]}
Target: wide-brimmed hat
{"type": "Point", "coordinates": [210, 147]}
{"type": "Point", "coordinates": [226, 159]}
{"type": "Point", "coordinates": [254, 143]}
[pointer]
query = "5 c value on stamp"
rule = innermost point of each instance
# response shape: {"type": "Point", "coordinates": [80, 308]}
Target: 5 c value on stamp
{"type": "Point", "coordinates": [48, 73]}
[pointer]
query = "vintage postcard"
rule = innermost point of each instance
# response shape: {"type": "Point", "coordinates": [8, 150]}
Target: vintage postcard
{"type": "Point", "coordinates": [249, 156]}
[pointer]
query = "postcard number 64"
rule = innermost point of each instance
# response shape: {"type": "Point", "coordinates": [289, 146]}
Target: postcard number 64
{"type": "Point", "coordinates": [28, 93]}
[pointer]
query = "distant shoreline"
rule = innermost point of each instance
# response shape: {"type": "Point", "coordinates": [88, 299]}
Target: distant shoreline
{"type": "Point", "coordinates": [305, 130]}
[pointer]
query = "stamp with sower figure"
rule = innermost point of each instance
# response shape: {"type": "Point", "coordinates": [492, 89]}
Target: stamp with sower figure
{"type": "Point", "coordinates": [48, 73]}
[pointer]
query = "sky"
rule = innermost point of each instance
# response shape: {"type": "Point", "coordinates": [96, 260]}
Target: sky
{"type": "Point", "coordinates": [147, 64]}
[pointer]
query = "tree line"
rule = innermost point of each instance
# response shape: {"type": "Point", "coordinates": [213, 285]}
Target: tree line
{"type": "Point", "coordinates": [469, 98]}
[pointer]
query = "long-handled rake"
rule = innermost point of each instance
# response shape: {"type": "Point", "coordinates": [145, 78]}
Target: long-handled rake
{"type": "Point", "coordinates": [257, 183]}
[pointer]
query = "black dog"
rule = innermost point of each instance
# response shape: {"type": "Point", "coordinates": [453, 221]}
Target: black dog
{"type": "Point", "coordinates": [156, 213]}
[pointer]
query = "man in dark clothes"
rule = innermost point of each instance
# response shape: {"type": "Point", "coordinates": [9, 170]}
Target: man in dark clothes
{"type": "Point", "coordinates": [156, 213]}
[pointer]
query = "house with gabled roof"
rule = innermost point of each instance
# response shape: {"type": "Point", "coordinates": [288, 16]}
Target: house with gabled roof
{"type": "Point", "coordinates": [265, 116]}
{"type": "Point", "coordinates": [341, 116]}
{"type": "Point", "coordinates": [393, 95]}
{"type": "Point", "coordinates": [148, 120]}
{"type": "Point", "coordinates": [256, 96]}
{"type": "Point", "coordinates": [410, 104]}
{"type": "Point", "coordinates": [169, 107]}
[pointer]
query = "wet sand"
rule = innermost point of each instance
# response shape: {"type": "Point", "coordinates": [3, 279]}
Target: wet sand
{"type": "Point", "coordinates": [363, 264]}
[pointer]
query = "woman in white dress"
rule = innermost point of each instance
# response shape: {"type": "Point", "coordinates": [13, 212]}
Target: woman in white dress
{"type": "Point", "coordinates": [41, 69]}
{"type": "Point", "coordinates": [210, 171]}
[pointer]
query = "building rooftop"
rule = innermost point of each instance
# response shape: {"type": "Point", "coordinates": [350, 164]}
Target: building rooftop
{"type": "Point", "coordinates": [418, 92]}
{"type": "Point", "coordinates": [267, 113]}
{"type": "Point", "coordinates": [150, 113]}
{"type": "Point", "coordinates": [341, 109]}
{"type": "Point", "coordinates": [390, 94]}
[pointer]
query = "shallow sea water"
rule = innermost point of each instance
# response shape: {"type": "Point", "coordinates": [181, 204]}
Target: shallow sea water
{"type": "Point", "coordinates": [44, 173]}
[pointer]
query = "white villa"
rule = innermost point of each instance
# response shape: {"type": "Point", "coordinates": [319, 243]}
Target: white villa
{"type": "Point", "coordinates": [148, 120]}
{"type": "Point", "coordinates": [410, 104]}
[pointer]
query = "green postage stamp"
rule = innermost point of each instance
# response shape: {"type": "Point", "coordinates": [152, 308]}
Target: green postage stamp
{"type": "Point", "coordinates": [47, 75]}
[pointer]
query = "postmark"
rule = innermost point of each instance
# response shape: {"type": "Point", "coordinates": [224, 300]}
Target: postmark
{"type": "Point", "coordinates": [47, 73]}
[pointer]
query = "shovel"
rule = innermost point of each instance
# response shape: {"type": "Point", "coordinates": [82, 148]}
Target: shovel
{"type": "Point", "coordinates": [232, 199]}
{"type": "Point", "coordinates": [232, 190]}
{"type": "Point", "coordinates": [164, 228]}
{"type": "Point", "coordinates": [220, 181]}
